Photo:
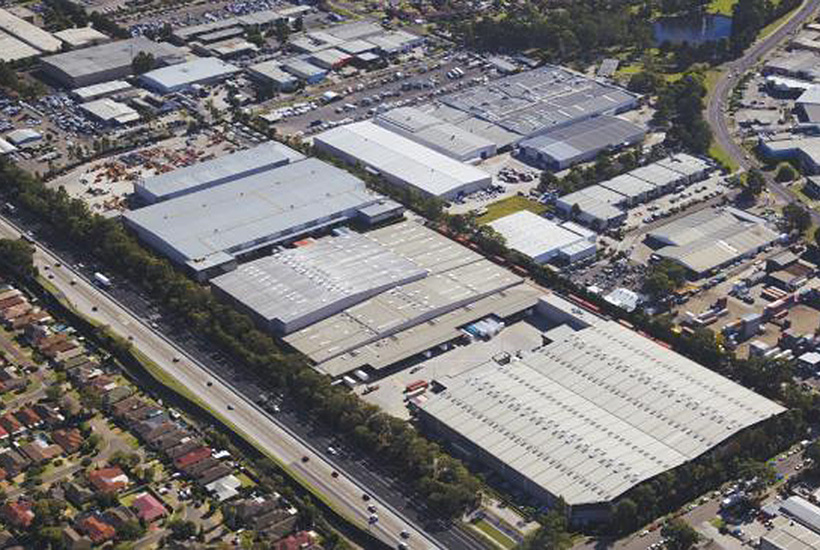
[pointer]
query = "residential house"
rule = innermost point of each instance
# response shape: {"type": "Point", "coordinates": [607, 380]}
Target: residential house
{"type": "Point", "coordinates": [128, 404]}
{"type": "Point", "coordinates": [11, 379]}
{"type": "Point", "coordinates": [108, 480]}
{"type": "Point", "coordinates": [96, 529]}
{"type": "Point", "coordinates": [69, 439]}
{"type": "Point", "coordinates": [13, 462]}
{"type": "Point", "coordinates": [303, 540]}
{"type": "Point", "coordinates": [4, 435]}
{"type": "Point", "coordinates": [276, 523]}
{"type": "Point", "coordinates": [185, 447]}
{"type": "Point", "coordinates": [77, 494]}
{"type": "Point", "coordinates": [192, 457]}
{"type": "Point", "coordinates": [170, 439]}
{"type": "Point", "coordinates": [212, 474]}
{"type": "Point", "coordinates": [72, 540]}
{"type": "Point", "coordinates": [49, 413]}
{"type": "Point", "coordinates": [11, 424]}
{"type": "Point", "coordinates": [40, 451]}
{"type": "Point", "coordinates": [116, 395]}
{"type": "Point", "coordinates": [78, 361]}
{"type": "Point", "coordinates": [148, 508]}
{"type": "Point", "coordinates": [28, 417]}
{"type": "Point", "coordinates": [17, 513]}
{"type": "Point", "coordinates": [195, 469]}
{"type": "Point", "coordinates": [152, 428]}
{"type": "Point", "coordinates": [119, 516]}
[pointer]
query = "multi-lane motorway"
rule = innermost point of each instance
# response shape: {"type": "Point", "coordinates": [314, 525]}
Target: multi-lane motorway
{"type": "Point", "coordinates": [732, 73]}
{"type": "Point", "coordinates": [302, 459]}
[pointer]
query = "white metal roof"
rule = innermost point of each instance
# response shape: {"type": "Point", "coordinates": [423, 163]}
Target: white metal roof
{"type": "Point", "coordinates": [190, 72]}
{"type": "Point", "coordinates": [103, 88]}
{"type": "Point", "coordinates": [789, 535]}
{"type": "Point", "coordinates": [12, 49]}
{"type": "Point", "coordinates": [32, 35]}
{"type": "Point", "coordinates": [402, 158]}
{"type": "Point", "coordinates": [803, 511]}
{"type": "Point", "coordinates": [80, 36]}
{"type": "Point", "coordinates": [108, 110]}
{"type": "Point", "coordinates": [595, 412]}
{"type": "Point", "coordinates": [534, 235]}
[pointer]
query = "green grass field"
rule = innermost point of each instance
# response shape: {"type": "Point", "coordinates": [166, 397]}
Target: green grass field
{"type": "Point", "coordinates": [508, 206]}
{"type": "Point", "coordinates": [723, 7]}
{"type": "Point", "coordinates": [717, 153]}
{"type": "Point", "coordinates": [497, 536]}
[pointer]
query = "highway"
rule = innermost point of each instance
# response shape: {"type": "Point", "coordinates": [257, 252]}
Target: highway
{"type": "Point", "coordinates": [733, 71]}
{"type": "Point", "coordinates": [344, 492]}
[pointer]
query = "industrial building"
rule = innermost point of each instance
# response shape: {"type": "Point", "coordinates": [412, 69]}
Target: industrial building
{"type": "Point", "coordinates": [104, 89]}
{"type": "Point", "coordinates": [206, 231]}
{"type": "Point", "coordinates": [330, 59]}
{"type": "Point", "coordinates": [82, 37]}
{"type": "Point", "coordinates": [271, 73]}
{"type": "Point", "coordinates": [485, 129]}
{"type": "Point", "coordinates": [803, 149]}
{"type": "Point", "coordinates": [596, 206]}
{"type": "Point", "coordinates": [580, 141]}
{"type": "Point", "coordinates": [543, 240]}
{"type": "Point", "coordinates": [590, 414]}
{"type": "Point", "coordinates": [412, 319]}
{"type": "Point", "coordinates": [797, 64]}
{"type": "Point", "coordinates": [802, 511]}
{"type": "Point", "coordinates": [299, 286]}
{"type": "Point", "coordinates": [705, 241]}
{"type": "Point", "coordinates": [105, 62]}
{"type": "Point", "coordinates": [304, 70]}
{"type": "Point", "coordinates": [786, 534]}
{"type": "Point", "coordinates": [110, 112]}
{"type": "Point", "coordinates": [28, 33]}
{"type": "Point", "coordinates": [436, 134]}
{"type": "Point", "coordinates": [401, 161]}
{"type": "Point", "coordinates": [182, 76]}
{"type": "Point", "coordinates": [217, 171]}
{"type": "Point", "coordinates": [12, 49]}
{"type": "Point", "coordinates": [540, 100]}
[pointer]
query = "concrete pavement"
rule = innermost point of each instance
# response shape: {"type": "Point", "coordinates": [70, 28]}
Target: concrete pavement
{"type": "Point", "coordinates": [343, 493]}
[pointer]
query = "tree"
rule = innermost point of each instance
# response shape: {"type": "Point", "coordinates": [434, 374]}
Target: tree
{"type": "Point", "coordinates": [796, 217]}
{"type": "Point", "coordinates": [574, 212]}
{"type": "Point", "coordinates": [658, 285]}
{"type": "Point", "coordinates": [547, 181]}
{"type": "Point", "coordinates": [755, 182]}
{"type": "Point", "coordinates": [679, 535]}
{"type": "Point", "coordinates": [181, 529]}
{"type": "Point", "coordinates": [785, 173]}
{"type": "Point", "coordinates": [142, 63]}
{"type": "Point", "coordinates": [17, 256]}
{"type": "Point", "coordinates": [130, 530]}
{"type": "Point", "coordinates": [553, 533]}
{"type": "Point", "coordinates": [625, 516]}
{"type": "Point", "coordinates": [282, 31]}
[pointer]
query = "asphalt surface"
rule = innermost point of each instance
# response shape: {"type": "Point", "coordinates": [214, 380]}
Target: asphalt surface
{"type": "Point", "coordinates": [345, 492]}
{"type": "Point", "coordinates": [733, 72]}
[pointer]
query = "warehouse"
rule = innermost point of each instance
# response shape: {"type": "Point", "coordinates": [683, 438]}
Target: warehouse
{"type": "Point", "coordinates": [103, 89]}
{"type": "Point", "coordinates": [805, 150]}
{"type": "Point", "coordinates": [542, 99]}
{"type": "Point", "coordinates": [82, 37]}
{"type": "Point", "coordinates": [202, 71]}
{"type": "Point", "coordinates": [303, 70]}
{"type": "Point", "coordinates": [710, 239]}
{"type": "Point", "coordinates": [542, 240]}
{"type": "Point", "coordinates": [105, 62]}
{"type": "Point", "coordinates": [211, 173]}
{"type": "Point", "coordinates": [502, 138]}
{"type": "Point", "coordinates": [28, 33]}
{"type": "Point", "coordinates": [436, 134]}
{"type": "Point", "coordinates": [786, 534]}
{"type": "Point", "coordinates": [299, 286]}
{"type": "Point", "coordinates": [634, 189]}
{"type": "Point", "coordinates": [12, 49]}
{"type": "Point", "coordinates": [206, 231]}
{"type": "Point", "coordinates": [596, 206]}
{"type": "Point", "coordinates": [110, 112]}
{"type": "Point", "coordinates": [595, 411]}
{"type": "Point", "coordinates": [271, 73]}
{"type": "Point", "coordinates": [580, 141]}
{"type": "Point", "coordinates": [410, 320]}
{"type": "Point", "coordinates": [691, 168]}
{"type": "Point", "coordinates": [226, 49]}
{"type": "Point", "coordinates": [330, 59]}
{"type": "Point", "coordinates": [401, 161]}
{"type": "Point", "coordinates": [797, 64]}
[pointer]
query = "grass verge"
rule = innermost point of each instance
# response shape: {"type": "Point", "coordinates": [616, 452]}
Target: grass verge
{"type": "Point", "coordinates": [774, 25]}
{"type": "Point", "coordinates": [722, 7]}
{"type": "Point", "coordinates": [510, 205]}
{"type": "Point", "coordinates": [494, 534]}
{"type": "Point", "coordinates": [717, 153]}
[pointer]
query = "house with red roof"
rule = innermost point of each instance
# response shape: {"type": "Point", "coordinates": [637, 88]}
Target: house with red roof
{"type": "Point", "coordinates": [18, 513]}
{"type": "Point", "coordinates": [11, 424]}
{"type": "Point", "coordinates": [303, 540]}
{"type": "Point", "coordinates": [148, 507]}
{"type": "Point", "coordinates": [192, 457]}
{"type": "Point", "coordinates": [96, 529]}
{"type": "Point", "coordinates": [70, 440]}
{"type": "Point", "coordinates": [108, 480]}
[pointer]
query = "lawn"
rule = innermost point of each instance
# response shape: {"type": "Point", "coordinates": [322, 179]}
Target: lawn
{"type": "Point", "coordinates": [723, 7]}
{"type": "Point", "coordinates": [245, 480]}
{"type": "Point", "coordinates": [497, 536]}
{"type": "Point", "coordinates": [510, 205]}
{"type": "Point", "coordinates": [773, 26]}
{"type": "Point", "coordinates": [717, 153]}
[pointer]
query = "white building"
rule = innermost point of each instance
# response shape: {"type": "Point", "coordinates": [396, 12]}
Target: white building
{"type": "Point", "coordinates": [542, 240]}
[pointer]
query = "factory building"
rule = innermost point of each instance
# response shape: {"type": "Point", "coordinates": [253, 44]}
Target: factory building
{"type": "Point", "coordinates": [786, 534]}
{"type": "Point", "coordinates": [542, 240]}
{"type": "Point", "coordinates": [541, 100]}
{"type": "Point", "coordinates": [106, 62]}
{"type": "Point", "coordinates": [183, 76]}
{"type": "Point", "coordinates": [304, 70]}
{"type": "Point", "coordinates": [580, 141]}
{"type": "Point", "coordinates": [401, 161]}
{"type": "Point", "coordinates": [436, 134]}
{"type": "Point", "coordinates": [110, 112]}
{"type": "Point", "coordinates": [218, 171]}
{"type": "Point", "coordinates": [28, 33]}
{"type": "Point", "coordinates": [595, 411]}
{"type": "Point", "coordinates": [705, 241]}
{"type": "Point", "coordinates": [104, 89]}
{"type": "Point", "coordinates": [82, 37]}
{"type": "Point", "coordinates": [805, 150]}
{"type": "Point", "coordinates": [415, 318]}
{"type": "Point", "coordinates": [206, 231]}
{"type": "Point", "coordinates": [596, 206]}
{"type": "Point", "coordinates": [299, 286]}
{"type": "Point", "coordinates": [271, 73]}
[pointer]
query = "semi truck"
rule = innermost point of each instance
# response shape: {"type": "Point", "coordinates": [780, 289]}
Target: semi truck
{"type": "Point", "coordinates": [102, 280]}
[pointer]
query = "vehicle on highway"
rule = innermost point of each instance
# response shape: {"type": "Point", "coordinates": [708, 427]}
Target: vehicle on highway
{"type": "Point", "coordinates": [230, 407]}
{"type": "Point", "coordinates": [405, 534]}
{"type": "Point", "coordinates": [305, 458]}
{"type": "Point", "coordinates": [365, 497]}
{"type": "Point", "coordinates": [102, 280]}
{"type": "Point", "coordinates": [373, 518]}
{"type": "Point", "coordinates": [332, 451]}
{"type": "Point", "coordinates": [209, 383]}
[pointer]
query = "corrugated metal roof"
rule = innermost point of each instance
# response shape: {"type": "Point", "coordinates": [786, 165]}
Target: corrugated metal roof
{"type": "Point", "coordinates": [595, 412]}
{"type": "Point", "coordinates": [535, 236]}
{"type": "Point", "coordinates": [584, 137]}
{"type": "Point", "coordinates": [188, 73]}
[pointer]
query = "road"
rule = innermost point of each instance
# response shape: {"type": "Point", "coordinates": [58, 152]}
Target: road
{"type": "Point", "coordinates": [344, 492]}
{"type": "Point", "coordinates": [733, 71]}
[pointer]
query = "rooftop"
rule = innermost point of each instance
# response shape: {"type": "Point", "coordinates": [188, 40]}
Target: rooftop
{"type": "Point", "coordinates": [788, 535]}
{"type": "Point", "coordinates": [190, 72]}
{"type": "Point", "coordinates": [596, 411]}
{"type": "Point", "coordinates": [534, 235]}
{"type": "Point", "coordinates": [592, 134]}
{"type": "Point", "coordinates": [31, 34]}
{"type": "Point", "coordinates": [402, 158]}
{"type": "Point", "coordinates": [81, 36]}
{"type": "Point", "coordinates": [108, 110]}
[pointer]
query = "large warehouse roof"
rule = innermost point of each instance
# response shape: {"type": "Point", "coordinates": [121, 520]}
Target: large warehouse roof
{"type": "Point", "coordinates": [175, 77]}
{"type": "Point", "coordinates": [577, 139]}
{"type": "Point", "coordinates": [788, 535]}
{"type": "Point", "coordinates": [711, 238]}
{"type": "Point", "coordinates": [402, 160]}
{"type": "Point", "coordinates": [535, 236]}
{"type": "Point", "coordinates": [266, 156]}
{"type": "Point", "coordinates": [299, 286]}
{"type": "Point", "coordinates": [81, 63]}
{"type": "Point", "coordinates": [252, 212]}
{"type": "Point", "coordinates": [442, 136]}
{"type": "Point", "coordinates": [12, 49]}
{"type": "Point", "coordinates": [595, 412]}
{"type": "Point", "coordinates": [32, 35]}
{"type": "Point", "coordinates": [531, 102]}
